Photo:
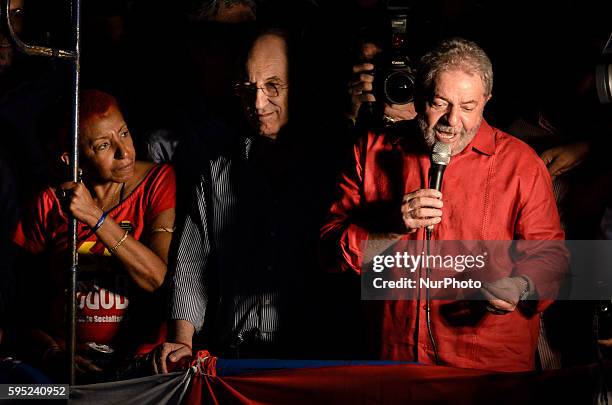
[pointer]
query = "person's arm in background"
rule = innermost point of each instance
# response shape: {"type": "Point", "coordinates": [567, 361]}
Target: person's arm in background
{"type": "Point", "coordinates": [586, 125]}
{"type": "Point", "coordinates": [188, 294]}
{"type": "Point", "coordinates": [178, 346]}
{"type": "Point", "coordinates": [564, 158]}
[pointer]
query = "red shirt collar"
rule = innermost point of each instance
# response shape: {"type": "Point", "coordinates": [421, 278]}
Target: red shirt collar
{"type": "Point", "coordinates": [484, 141]}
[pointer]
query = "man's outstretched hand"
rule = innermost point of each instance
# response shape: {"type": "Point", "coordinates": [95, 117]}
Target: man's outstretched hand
{"type": "Point", "coordinates": [171, 356]}
{"type": "Point", "coordinates": [503, 295]}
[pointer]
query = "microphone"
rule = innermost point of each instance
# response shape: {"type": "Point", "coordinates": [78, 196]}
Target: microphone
{"type": "Point", "coordinates": [440, 158]}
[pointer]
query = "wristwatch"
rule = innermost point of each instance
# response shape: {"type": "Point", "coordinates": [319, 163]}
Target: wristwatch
{"type": "Point", "coordinates": [525, 292]}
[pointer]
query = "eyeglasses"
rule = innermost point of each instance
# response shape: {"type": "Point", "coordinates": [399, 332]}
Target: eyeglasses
{"type": "Point", "coordinates": [249, 90]}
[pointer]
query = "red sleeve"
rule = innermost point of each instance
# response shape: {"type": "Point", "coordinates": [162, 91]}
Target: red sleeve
{"type": "Point", "coordinates": [544, 257]}
{"type": "Point", "coordinates": [31, 232]}
{"type": "Point", "coordinates": [162, 195]}
{"type": "Point", "coordinates": [343, 241]}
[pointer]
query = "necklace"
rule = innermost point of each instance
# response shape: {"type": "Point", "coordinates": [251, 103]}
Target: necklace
{"type": "Point", "coordinates": [118, 191]}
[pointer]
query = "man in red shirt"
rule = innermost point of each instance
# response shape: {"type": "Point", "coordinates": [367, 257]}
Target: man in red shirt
{"type": "Point", "coordinates": [495, 188]}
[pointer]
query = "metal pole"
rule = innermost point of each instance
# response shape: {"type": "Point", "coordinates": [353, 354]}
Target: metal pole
{"type": "Point", "coordinates": [73, 56]}
{"type": "Point", "coordinates": [32, 50]}
{"type": "Point", "coordinates": [74, 170]}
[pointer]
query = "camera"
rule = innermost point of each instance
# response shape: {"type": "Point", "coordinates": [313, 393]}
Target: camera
{"type": "Point", "coordinates": [394, 75]}
{"type": "Point", "coordinates": [603, 74]}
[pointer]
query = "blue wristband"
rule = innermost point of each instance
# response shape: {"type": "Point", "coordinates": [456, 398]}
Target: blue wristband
{"type": "Point", "coordinates": [100, 222]}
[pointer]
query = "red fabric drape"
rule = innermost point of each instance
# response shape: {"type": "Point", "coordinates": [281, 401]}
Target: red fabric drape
{"type": "Point", "coordinates": [396, 384]}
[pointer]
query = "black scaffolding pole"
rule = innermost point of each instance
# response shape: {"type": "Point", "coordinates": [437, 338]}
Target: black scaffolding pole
{"type": "Point", "coordinates": [74, 57]}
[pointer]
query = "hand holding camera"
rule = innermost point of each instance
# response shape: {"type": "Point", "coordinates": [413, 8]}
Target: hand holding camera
{"type": "Point", "coordinates": [383, 75]}
{"type": "Point", "coordinates": [360, 89]}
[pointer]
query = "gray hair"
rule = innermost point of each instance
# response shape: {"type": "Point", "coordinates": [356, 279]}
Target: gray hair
{"type": "Point", "coordinates": [454, 54]}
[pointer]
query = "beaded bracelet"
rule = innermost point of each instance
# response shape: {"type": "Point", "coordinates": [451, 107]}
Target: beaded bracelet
{"type": "Point", "coordinates": [100, 222]}
{"type": "Point", "coordinates": [125, 235]}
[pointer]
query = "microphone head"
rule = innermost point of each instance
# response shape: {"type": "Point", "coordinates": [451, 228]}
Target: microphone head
{"type": "Point", "coordinates": [441, 153]}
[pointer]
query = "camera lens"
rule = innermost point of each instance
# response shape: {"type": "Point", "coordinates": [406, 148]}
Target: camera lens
{"type": "Point", "coordinates": [603, 80]}
{"type": "Point", "coordinates": [399, 87]}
